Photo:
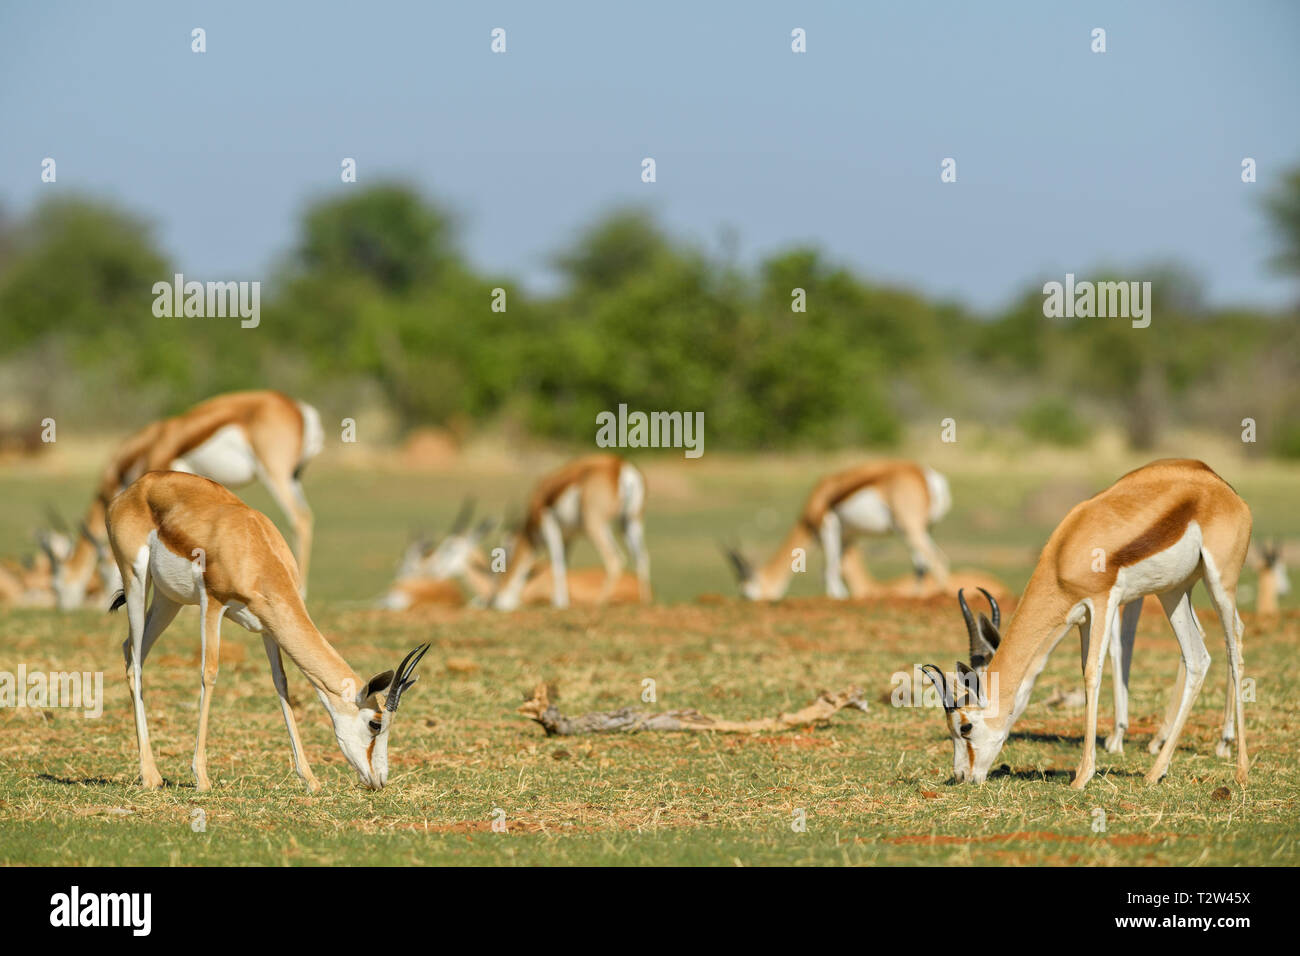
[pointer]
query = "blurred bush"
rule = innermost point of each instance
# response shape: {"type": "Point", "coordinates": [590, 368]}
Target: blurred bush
{"type": "Point", "coordinates": [375, 298]}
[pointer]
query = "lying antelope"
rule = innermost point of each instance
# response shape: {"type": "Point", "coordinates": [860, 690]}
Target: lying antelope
{"type": "Point", "coordinates": [584, 496]}
{"type": "Point", "coordinates": [862, 585]}
{"type": "Point", "coordinates": [881, 497]}
{"type": "Point", "coordinates": [233, 439]}
{"type": "Point", "coordinates": [1273, 580]}
{"type": "Point", "coordinates": [1158, 530]}
{"type": "Point", "coordinates": [199, 544]}
{"type": "Point", "coordinates": [27, 583]}
{"type": "Point", "coordinates": [426, 573]}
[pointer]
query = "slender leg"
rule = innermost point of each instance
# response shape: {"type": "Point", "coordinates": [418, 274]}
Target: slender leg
{"type": "Point", "coordinates": [288, 494]}
{"type": "Point", "coordinates": [606, 547]}
{"type": "Point", "coordinates": [554, 539]}
{"type": "Point", "coordinates": [300, 765]}
{"type": "Point", "coordinates": [1171, 710]}
{"type": "Point", "coordinates": [1121, 659]}
{"type": "Point", "coordinates": [926, 557]}
{"type": "Point", "coordinates": [634, 533]}
{"type": "Point", "coordinates": [1101, 625]}
{"type": "Point", "coordinates": [831, 547]}
{"type": "Point", "coordinates": [855, 571]}
{"type": "Point", "coordinates": [1234, 726]}
{"type": "Point", "coordinates": [144, 632]}
{"type": "Point", "coordinates": [1224, 746]}
{"type": "Point", "coordinates": [1191, 642]}
{"type": "Point", "coordinates": [210, 643]}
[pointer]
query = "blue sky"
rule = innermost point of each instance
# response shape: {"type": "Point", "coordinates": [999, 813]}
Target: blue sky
{"type": "Point", "coordinates": [1066, 159]}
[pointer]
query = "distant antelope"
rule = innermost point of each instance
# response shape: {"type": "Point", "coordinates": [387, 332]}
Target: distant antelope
{"type": "Point", "coordinates": [199, 544]}
{"type": "Point", "coordinates": [426, 573]}
{"type": "Point", "coordinates": [1273, 580]}
{"type": "Point", "coordinates": [864, 586]}
{"type": "Point", "coordinates": [585, 496]}
{"type": "Point", "coordinates": [1160, 529]}
{"type": "Point", "coordinates": [27, 584]}
{"type": "Point", "coordinates": [233, 439]}
{"type": "Point", "coordinates": [881, 497]}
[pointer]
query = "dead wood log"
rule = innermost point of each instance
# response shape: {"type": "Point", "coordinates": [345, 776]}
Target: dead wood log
{"type": "Point", "coordinates": [631, 720]}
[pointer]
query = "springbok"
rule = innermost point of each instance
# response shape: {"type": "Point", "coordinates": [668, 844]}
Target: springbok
{"type": "Point", "coordinates": [199, 544]}
{"type": "Point", "coordinates": [585, 496]}
{"type": "Point", "coordinates": [907, 586]}
{"type": "Point", "coordinates": [1273, 580]}
{"type": "Point", "coordinates": [877, 498]}
{"type": "Point", "coordinates": [1157, 530]}
{"type": "Point", "coordinates": [426, 574]}
{"type": "Point", "coordinates": [233, 439]}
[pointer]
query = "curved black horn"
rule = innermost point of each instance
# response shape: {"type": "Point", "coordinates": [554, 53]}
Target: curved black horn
{"type": "Point", "coordinates": [404, 677]}
{"type": "Point", "coordinates": [997, 613]}
{"type": "Point", "coordinates": [738, 562]}
{"type": "Point", "coordinates": [972, 631]}
{"type": "Point", "coordinates": [941, 685]}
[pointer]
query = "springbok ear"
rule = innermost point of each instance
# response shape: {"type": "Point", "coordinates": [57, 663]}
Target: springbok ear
{"type": "Point", "coordinates": [985, 642]}
{"type": "Point", "coordinates": [375, 685]}
{"type": "Point", "coordinates": [940, 684]}
{"type": "Point", "coordinates": [968, 685]}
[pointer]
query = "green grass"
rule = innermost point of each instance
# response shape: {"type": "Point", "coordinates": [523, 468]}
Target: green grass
{"type": "Point", "coordinates": [872, 785]}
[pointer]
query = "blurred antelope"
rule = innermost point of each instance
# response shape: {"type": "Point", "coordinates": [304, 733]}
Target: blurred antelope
{"type": "Point", "coordinates": [585, 496]}
{"type": "Point", "coordinates": [881, 497]}
{"type": "Point", "coordinates": [1161, 529]}
{"type": "Point", "coordinates": [199, 544]}
{"type": "Point", "coordinates": [233, 439]}
{"type": "Point", "coordinates": [1273, 580]}
{"type": "Point", "coordinates": [426, 573]}
{"type": "Point", "coordinates": [862, 585]}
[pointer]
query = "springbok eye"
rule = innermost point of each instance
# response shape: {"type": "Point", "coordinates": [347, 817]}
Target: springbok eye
{"type": "Point", "coordinates": [965, 729]}
{"type": "Point", "coordinates": [376, 726]}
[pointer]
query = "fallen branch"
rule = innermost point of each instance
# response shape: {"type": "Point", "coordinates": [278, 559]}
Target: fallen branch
{"type": "Point", "coordinates": [630, 720]}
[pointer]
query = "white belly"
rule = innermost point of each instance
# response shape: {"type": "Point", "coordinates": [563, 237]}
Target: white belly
{"type": "Point", "coordinates": [1162, 571]}
{"type": "Point", "coordinates": [865, 512]}
{"type": "Point", "coordinates": [226, 457]}
{"type": "Point", "coordinates": [568, 509]}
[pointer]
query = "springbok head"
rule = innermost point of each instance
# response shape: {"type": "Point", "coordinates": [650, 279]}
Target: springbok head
{"type": "Point", "coordinates": [59, 544]}
{"type": "Point", "coordinates": [751, 586]}
{"type": "Point", "coordinates": [966, 705]}
{"type": "Point", "coordinates": [1272, 563]}
{"type": "Point", "coordinates": [459, 548]}
{"type": "Point", "coordinates": [361, 725]}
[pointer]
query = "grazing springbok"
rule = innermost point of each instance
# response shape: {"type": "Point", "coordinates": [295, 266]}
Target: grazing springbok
{"type": "Point", "coordinates": [1157, 530]}
{"type": "Point", "coordinates": [881, 497]}
{"type": "Point", "coordinates": [1273, 580]}
{"type": "Point", "coordinates": [585, 496]}
{"type": "Point", "coordinates": [199, 544]}
{"type": "Point", "coordinates": [233, 439]}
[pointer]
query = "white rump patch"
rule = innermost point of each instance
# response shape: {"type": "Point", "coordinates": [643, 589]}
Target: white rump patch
{"type": "Point", "coordinates": [227, 458]}
{"type": "Point", "coordinates": [865, 512]}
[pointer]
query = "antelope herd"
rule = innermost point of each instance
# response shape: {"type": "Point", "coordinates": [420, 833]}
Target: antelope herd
{"type": "Point", "coordinates": [163, 522]}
